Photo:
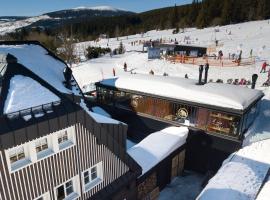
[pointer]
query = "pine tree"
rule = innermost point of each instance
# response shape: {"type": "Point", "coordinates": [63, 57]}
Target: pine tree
{"type": "Point", "coordinates": [121, 49]}
{"type": "Point", "coordinates": [226, 12]}
{"type": "Point", "coordinates": [175, 18]}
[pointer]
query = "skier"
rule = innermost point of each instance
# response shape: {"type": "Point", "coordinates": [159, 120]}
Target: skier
{"type": "Point", "coordinates": [186, 76]}
{"type": "Point", "coordinates": [220, 55]}
{"type": "Point", "coordinates": [113, 72]}
{"type": "Point", "coordinates": [263, 70]}
{"type": "Point", "coordinates": [151, 72]}
{"type": "Point", "coordinates": [125, 67]}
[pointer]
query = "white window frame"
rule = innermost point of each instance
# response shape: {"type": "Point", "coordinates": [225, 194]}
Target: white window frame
{"type": "Point", "coordinates": [32, 156]}
{"type": "Point", "coordinates": [20, 163]}
{"type": "Point", "coordinates": [68, 143]}
{"type": "Point", "coordinates": [76, 188]}
{"type": "Point", "coordinates": [45, 196]}
{"type": "Point", "coordinates": [92, 183]}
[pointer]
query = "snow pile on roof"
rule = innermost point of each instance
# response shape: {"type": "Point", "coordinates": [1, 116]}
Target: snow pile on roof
{"type": "Point", "coordinates": [100, 111]}
{"type": "Point", "coordinates": [216, 94]}
{"type": "Point", "coordinates": [265, 192]}
{"type": "Point", "coordinates": [129, 144]}
{"type": "Point", "coordinates": [37, 60]}
{"type": "Point", "coordinates": [99, 118]}
{"type": "Point", "coordinates": [100, 8]}
{"type": "Point", "coordinates": [240, 176]}
{"type": "Point", "coordinates": [25, 93]}
{"type": "Point", "coordinates": [157, 146]}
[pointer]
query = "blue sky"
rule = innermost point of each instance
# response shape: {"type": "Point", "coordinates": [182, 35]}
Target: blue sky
{"type": "Point", "coordinates": [36, 7]}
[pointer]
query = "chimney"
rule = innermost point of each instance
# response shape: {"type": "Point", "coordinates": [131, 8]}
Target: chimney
{"type": "Point", "coordinates": [206, 73]}
{"type": "Point", "coordinates": [254, 80]}
{"type": "Point", "coordinates": [200, 75]}
{"type": "Point", "coordinates": [67, 74]}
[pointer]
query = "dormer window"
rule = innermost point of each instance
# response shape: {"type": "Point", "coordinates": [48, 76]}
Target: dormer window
{"type": "Point", "coordinates": [62, 137]}
{"type": "Point", "coordinates": [16, 155]}
{"type": "Point", "coordinates": [18, 158]}
{"type": "Point", "coordinates": [66, 138]}
{"type": "Point", "coordinates": [42, 145]}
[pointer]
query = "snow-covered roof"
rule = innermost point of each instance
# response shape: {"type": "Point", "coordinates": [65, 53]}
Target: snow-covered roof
{"type": "Point", "coordinates": [241, 175]}
{"type": "Point", "coordinates": [215, 94]}
{"type": "Point", "coordinates": [157, 146]}
{"type": "Point", "coordinates": [25, 92]}
{"type": "Point", "coordinates": [36, 59]}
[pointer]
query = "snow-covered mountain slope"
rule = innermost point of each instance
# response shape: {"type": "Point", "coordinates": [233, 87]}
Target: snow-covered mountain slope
{"type": "Point", "coordinates": [11, 25]}
{"type": "Point", "coordinates": [101, 8]}
{"type": "Point", "coordinates": [54, 19]}
{"type": "Point", "coordinates": [232, 38]}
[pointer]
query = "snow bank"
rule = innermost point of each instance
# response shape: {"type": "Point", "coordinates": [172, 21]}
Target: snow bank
{"type": "Point", "coordinates": [241, 176]}
{"type": "Point", "coordinates": [25, 92]}
{"type": "Point", "coordinates": [36, 59]}
{"type": "Point", "coordinates": [157, 146]}
{"type": "Point", "coordinates": [221, 95]}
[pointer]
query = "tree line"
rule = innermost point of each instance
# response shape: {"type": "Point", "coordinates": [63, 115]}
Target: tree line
{"type": "Point", "coordinates": [198, 14]}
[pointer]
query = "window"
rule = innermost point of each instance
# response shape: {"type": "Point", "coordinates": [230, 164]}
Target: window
{"type": "Point", "coordinates": [92, 177]}
{"type": "Point", "coordinates": [41, 145]}
{"type": "Point", "coordinates": [16, 154]}
{"type": "Point", "coordinates": [64, 190]}
{"type": "Point", "coordinates": [62, 137]}
{"type": "Point", "coordinates": [66, 138]}
{"type": "Point", "coordinates": [41, 148]}
{"type": "Point", "coordinates": [68, 190]}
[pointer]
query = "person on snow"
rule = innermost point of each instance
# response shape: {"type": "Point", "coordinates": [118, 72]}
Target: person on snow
{"type": "Point", "coordinates": [220, 55]}
{"type": "Point", "coordinates": [125, 67]}
{"type": "Point", "coordinates": [151, 72]}
{"type": "Point", "coordinates": [264, 65]}
{"type": "Point", "coordinates": [113, 72]}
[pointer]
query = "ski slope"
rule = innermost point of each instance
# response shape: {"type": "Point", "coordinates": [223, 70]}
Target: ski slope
{"type": "Point", "coordinates": [232, 39]}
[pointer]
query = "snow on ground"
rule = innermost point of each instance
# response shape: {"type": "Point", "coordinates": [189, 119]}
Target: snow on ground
{"type": "Point", "coordinates": [247, 168]}
{"type": "Point", "coordinates": [260, 129]}
{"type": "Point", "coordinates": [26, 93]}
{"type": "Point", "coordinates": [241, 175]}
{"type": "Point", "coordinates": [245, 36]}
{"type": "Point", "coordinates": [37, 60]}
{"type": "Point", "coordinates": [186, 187]}
{"type": "Point", "coordinates": [157, 146]}
{"type": "Point", "coordinates": [11, 26]}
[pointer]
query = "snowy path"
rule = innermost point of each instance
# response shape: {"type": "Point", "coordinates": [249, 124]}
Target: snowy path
{"type": "Point", "coordinates": [186, 187]}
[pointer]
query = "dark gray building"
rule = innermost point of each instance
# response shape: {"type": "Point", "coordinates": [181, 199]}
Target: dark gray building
{"type": "Point", "coordinates": [51, 145]}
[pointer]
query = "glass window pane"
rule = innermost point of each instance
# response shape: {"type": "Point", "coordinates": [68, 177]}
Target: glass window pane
{"type": "Point", "coordinates": [93, 173]}
{"type": "Point", "coordinates": [60, 192]}
{"type": "Point", "coordinates": [69, 188]}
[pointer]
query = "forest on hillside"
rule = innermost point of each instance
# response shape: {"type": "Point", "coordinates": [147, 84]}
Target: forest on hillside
{"type": "Point", "coordinates": [200, 14]}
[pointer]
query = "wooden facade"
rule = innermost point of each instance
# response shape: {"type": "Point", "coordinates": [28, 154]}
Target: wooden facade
{"type": "Point", "coordinates": [213, 120]}
{"type": "Point", "coordinates": [214, 132]}
{"type": "Point", "coordinates": [91, 147]}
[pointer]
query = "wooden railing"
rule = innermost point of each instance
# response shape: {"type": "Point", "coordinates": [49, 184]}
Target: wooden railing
{"type": "Point", "coordinates": [212, 61]}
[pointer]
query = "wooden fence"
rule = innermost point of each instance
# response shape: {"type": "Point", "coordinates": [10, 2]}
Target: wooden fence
{"type": "Point", "coordinates": [212, 61]}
